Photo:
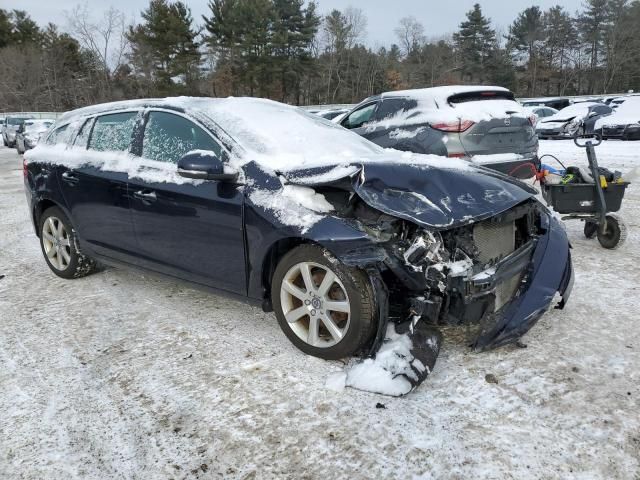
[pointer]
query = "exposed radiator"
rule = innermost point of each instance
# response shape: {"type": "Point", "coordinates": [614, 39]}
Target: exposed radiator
{"type": "Point", "coordinates": [494, 240]}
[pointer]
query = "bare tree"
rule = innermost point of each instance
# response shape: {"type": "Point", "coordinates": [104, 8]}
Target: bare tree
{"type": "Point", "coordinates": [105, 38]}
{"type": "Point", "coordinates": [410, 33]}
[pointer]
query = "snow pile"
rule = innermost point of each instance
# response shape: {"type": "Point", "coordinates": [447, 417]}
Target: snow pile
{"type": "Point", "coordinates": [293, 205]}
{"type": "Point", "coordinates": [388, 373]}
{"type": "Point", "coordinates": [400, 134]}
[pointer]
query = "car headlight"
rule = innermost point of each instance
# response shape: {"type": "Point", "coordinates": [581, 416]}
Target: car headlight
{"type": "Point", "coordinates": [573, 126]}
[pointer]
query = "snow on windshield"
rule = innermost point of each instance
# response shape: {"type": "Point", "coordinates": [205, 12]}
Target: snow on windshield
{"type": "Point", "coordinates": [282, 137]}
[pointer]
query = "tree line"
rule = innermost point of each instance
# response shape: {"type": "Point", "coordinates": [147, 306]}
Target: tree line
{"type": "Point", "coordinates": [286, 50]}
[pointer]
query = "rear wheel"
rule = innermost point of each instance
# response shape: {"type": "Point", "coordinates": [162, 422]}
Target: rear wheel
{"type": "Point", "coordinates": [60, 247]}
{"type": "Point", "coordinates": [324, 307]}
{"type": "Point", "coordinates": [590, 229]}
{"type": "Point", "coordinates": [615, 233]}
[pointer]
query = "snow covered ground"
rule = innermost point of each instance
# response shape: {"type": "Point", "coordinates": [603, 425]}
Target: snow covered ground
{"type": "Point", "coordinates": [121, 375]}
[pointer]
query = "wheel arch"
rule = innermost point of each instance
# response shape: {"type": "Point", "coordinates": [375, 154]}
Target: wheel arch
{"type": "Point", "coordinates": [270, 261]}
{"type": "Point", "coordinates": [39, 208]}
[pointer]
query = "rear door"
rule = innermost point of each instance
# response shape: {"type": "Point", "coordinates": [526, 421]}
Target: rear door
{"type": "Point", "coordinates": [96, 191]}
{"type": "Point", "coordinates": [185, 228]}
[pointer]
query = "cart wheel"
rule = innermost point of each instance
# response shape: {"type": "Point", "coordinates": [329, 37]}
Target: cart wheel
{"type": "Point", "coordinates": [590, 229]}
{"type": "Point", "coordinates": [616, 232]}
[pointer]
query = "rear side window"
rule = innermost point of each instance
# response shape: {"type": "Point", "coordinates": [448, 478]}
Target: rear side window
{"type": "Point", "coordinates": [481, 95]}
{"type": "Point", "coordinates": [168, 137]}
{"type": "Point", "coordinates": [391, 106]}
{"type": "Point", "coordinates": [360, 116]}
{"type": "Point", "coordinates": [113, 132]}
{"type": "Point", "coordinates": [601, 109]}
{"type": "Point", "coordinates": [59, 135]}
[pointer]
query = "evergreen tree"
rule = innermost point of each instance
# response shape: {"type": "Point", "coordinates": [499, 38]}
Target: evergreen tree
{"type": "Point", "coordinates": [293, 33]}
{"type": "Point", "coordinates": [164, 47]}
{"type": "Point", "coordinates": [24, 29]}
{"type": "Point", "coordinates": [5, 28]}
{"type": "Point", "coordinates": [526, 37]}
{"type": "Point", "coordinates": [592, 24]}
{"type": "Point", "coordinates": [476, 44]}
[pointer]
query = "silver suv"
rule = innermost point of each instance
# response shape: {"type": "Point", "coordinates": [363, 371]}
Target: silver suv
{"type": "Point", "coordinates": [484, 124]}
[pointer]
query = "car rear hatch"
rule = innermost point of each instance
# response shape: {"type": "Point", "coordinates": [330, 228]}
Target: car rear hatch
{"type": "Point", "coordinates": [504, 128]}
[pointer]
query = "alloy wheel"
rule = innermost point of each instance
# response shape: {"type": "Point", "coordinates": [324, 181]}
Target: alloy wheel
{"type": "Point", "coordinates": [56, 243]}
{"type": "Point", "coordinates": [315, 304]}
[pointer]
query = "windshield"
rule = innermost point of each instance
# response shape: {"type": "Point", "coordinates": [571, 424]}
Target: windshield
{"type": "Point", "coordinates": [15, 121]}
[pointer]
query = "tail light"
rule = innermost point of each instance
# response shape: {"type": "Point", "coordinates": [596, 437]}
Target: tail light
{"type": "Point", "coordinates": [457, 155]}
{"type": "Point", "coordinates": [459, 126]}
{"type": "Point", "coordinates": [25, 171]}
{"type": "Point", "coordinates": [533, 120]}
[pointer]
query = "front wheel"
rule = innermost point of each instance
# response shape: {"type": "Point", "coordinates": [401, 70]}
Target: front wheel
{"type": "Point", "coordinates": [324, 307]}
{"type": "Point", "coordinates": [60, 247]}
{"type": "Point", "coordinates": [615, 234]}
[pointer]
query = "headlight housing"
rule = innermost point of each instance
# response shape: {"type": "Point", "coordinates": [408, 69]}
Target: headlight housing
{"type": "Point", "coordinates": [573, 126]}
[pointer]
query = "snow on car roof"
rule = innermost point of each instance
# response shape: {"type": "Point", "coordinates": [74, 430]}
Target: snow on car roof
{"type": "Point", "coordinates": [572, 111]}
{"type": "Point", "coordinates": [440, 95]}
{"type": "Point", "coordinates": [279, 137]}
{"type": "Point", "coordinates": [627, 113]}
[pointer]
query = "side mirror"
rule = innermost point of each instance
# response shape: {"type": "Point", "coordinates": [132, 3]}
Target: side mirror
{"type": "Point", "coordinates": [204, 165]}
{"type": "Point", "coordinates": [593, 114]}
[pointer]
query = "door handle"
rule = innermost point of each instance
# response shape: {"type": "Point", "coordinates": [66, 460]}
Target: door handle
{"type": "Point", "coordinates": [70, 177]}
{"type": "Point", "coordinates": [145, 195]}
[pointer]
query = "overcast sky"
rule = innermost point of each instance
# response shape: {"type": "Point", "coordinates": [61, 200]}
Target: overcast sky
{"type": "Point", "coordinates": [439, 17]}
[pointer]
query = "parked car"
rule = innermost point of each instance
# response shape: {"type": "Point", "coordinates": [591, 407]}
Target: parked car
{"type": "Point", "coordinates": [481, 123]}
{"type": "Point", "coordinates": [12, 124]}
{"type": "Point", "coordinates": [616, 102]}
{"type": "Point", "coordinates": [623, 123]}
{"type": "Point", "coordinates": [577, 119]}
{"type": "Point", "coordinates": [270, 204]}
{"type": "Point", "coordinates": [29, 133]}
{"type": "Point", "coordinates": [557, 102]}
{"type": "Point", "coordinates": [541, 112]}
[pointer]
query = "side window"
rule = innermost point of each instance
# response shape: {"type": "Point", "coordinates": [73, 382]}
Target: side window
{"type": "Point", "coordinates": [391, 106]}
{"type": "Point", "coordinates": [167, 137]}
{"type": "Point", "coordinates": [113, 132]}
{"type": "Point", "coordinates": [601, 110]}
{"type": "Point", "coordinates": [82, 139]}
{"type": "Point", "coordinates": [360, 116]}
{"type": "Point", "coordinates": [59, 135]}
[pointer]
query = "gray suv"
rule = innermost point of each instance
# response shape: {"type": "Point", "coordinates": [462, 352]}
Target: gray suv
{"type": "Point", "coordinates": [484, 124]}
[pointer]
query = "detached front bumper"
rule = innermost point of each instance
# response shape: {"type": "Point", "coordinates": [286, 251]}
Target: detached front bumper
{"type": "Point", "coordinates": [546, 269]}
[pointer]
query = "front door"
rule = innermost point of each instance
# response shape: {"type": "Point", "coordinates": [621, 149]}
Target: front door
{"type": "Point", "coordinates": [192, 229]}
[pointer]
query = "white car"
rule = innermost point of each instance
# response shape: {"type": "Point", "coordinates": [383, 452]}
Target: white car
{"type": "Point", "coordinates": [624, 123]}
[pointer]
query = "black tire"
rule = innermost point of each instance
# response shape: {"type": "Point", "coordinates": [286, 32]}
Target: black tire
{"type": "Point", "coordinates": [616, 233]}
{"type": "Point", "coordinates": [590, 229]}
{"type": "Point", "coordinates": [360, 296]}
{"type": "Point", "coordinates": [79, 265]}
{"type": "Point", "coordinates": [4, 141]}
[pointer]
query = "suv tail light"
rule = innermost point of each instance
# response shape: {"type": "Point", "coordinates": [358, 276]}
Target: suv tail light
{"type": "Point", "coordinates": [459, 126]}
{"type": "Point", "coordinates": [533, 120]}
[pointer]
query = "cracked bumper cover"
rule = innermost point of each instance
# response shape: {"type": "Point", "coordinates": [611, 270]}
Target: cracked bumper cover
{"type": "Point", "coordinates": [549, 271]}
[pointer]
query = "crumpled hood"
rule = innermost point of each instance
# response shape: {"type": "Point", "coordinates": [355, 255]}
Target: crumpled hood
{"type": "Point", "coordinates": [432, 197]}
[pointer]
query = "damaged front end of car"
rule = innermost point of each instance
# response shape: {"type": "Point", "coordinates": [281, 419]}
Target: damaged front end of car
{"type": "Point", "coordinates": [453, 250]}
